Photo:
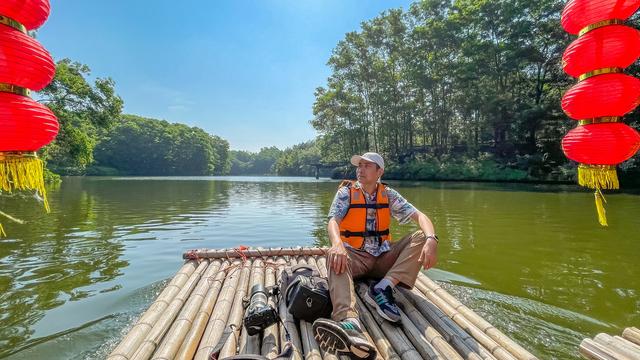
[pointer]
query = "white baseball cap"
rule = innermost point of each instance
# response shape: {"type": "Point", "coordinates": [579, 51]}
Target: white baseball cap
{"type": "Point", "coordinates": [370, 156]}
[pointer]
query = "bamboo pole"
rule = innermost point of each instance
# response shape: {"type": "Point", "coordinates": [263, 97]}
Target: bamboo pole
{"type": "Point", "coordinates": [242, 345]}
{"type": "Point", "coordinates": [321, 264]}
{"type": "Point", "coordinates": [220, 314]}
{"type": "Point", "coordinates": [271, 335]}
{"type": "Point", "coordinates": [432, 335]}
{"type": "Point", "coordinates": [136, 335]}
{"type": "Point", "coordinates": [632, 334]}
{"type": "Point", "coordinates": [594, 351]}
{"type": "Point", "coordinates": [499, 337]}
{"type": "Point", "coordinates": [408, 341]}
{"type": "Point", "coordinates": [191, 341]}
{"type": "Point", "coordinates": [398, 340]}
{"type": "Point", "coordinates": [237, 312]}
{"type": "Point", "coordinates": [628, 343]}
{"type": "Point", "coordinates": [261, 253]}
{"type": "Point", "coordinates": [252, 344]}
{"type": "Point", "coordinates": [385, 350]}
{"type": "Point", "coordinates": [287, 319]}
{"type": "Point", "coordinates": [151, 341]}
{"type": "Point", "coordinates": [451, 331]}
{"type": "Point", "coordinates": [182, 324]}
{"type": "Point", "coordinates": [494, 347]}
{"type": "Point", "coordinates": [421, 343]}
{"type": "Point", "coordinates": [617, 346]}
{"type": "Point", "coordinates": [309, 343]}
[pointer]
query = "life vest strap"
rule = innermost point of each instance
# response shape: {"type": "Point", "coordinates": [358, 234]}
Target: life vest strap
{"type": "Point", "coordinates": [348, 233]}
{"type": "Point", "coordinates": [368, 206]}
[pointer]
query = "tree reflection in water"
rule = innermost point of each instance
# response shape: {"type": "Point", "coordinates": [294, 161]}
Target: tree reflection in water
{"type": "Point", "coordinates": [77, 251]}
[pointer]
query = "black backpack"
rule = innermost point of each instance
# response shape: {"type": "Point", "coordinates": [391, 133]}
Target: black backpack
{"type": "Point", "coordinates": [305, 292]}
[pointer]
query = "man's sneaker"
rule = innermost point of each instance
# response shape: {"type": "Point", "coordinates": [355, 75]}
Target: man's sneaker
{"type": "Point", "coordinates": [343, 338]}
{"type": "Point", "coordinates": [384, 302]}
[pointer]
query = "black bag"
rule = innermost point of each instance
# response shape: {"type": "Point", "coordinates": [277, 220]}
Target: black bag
{"type": "Point", "coordinates": [306, 293]}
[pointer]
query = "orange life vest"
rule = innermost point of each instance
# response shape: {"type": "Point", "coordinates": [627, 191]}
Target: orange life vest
{"type": "Point", "coordinates": [353, 227]}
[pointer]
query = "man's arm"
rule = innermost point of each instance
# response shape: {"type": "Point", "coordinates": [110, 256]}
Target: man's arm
{"type": "Point", "coordinates": [429, 256]}
{"type": "Point", "coordinates": [333, 228]}
{"type": "Point", "coordinates": [337, 253]}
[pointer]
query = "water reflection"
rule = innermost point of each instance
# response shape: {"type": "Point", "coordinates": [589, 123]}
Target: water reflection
{"type": "Point", "coordinates": [77, 251]}
{"type": "Point", "coordinates": [530, 258]}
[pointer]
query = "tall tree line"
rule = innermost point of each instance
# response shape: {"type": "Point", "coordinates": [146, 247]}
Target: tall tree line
{"type": "Point", "coordinates": [443, 77]}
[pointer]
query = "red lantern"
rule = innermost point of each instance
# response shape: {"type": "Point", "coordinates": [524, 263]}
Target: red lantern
{"type": "Point", "coordinates": [25, 62]}
{"type": "Point", "coordinates": [578, 14]}
{"type": "Point", "coordinates": [25, 125]}
{"type": "Point", "coordinates": [602, 95]}
{"type": "Point", "coordinates": [30, 13]}
{"type": "Point", "coordinates": [615, 46]}
{"type": "Point", "coordinates": [601, 144]}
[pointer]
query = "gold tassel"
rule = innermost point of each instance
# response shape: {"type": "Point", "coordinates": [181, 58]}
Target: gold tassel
{"type": "Point", "coordinates": [598, 177]}
{"type": "Point", "coordinates": [602, 213]}
{"type": "Point", "coordinates": [20, 172]}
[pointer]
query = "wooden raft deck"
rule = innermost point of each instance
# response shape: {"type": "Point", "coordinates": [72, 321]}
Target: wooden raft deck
{"type": "Point", "coordinates": [607, 347]}
{"type": "Point", "coordinates": [187, 319]}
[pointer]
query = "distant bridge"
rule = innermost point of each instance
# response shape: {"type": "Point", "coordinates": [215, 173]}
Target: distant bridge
{"type": "Point", "coordinates": [319, 166]}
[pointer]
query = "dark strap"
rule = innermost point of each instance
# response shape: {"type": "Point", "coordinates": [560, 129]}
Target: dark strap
{"type": "Point", "coordinates": [368, 206]}
{"type": "Point", "coordinates": [289, 288]}
{"type": "Point", "coordinates": [295, 269]}
{"type": "Point", "coordinates": [348, 233]}
{"type": "Point", "coordinates": [223, 340]}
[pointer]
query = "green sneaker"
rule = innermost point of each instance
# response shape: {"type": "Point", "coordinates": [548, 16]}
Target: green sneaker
{"type": "Point", "coordinates": [343, 338]}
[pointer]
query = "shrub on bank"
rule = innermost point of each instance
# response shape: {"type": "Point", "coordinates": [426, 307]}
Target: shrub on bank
{"type": "Point", "coordinates": [482, 168]}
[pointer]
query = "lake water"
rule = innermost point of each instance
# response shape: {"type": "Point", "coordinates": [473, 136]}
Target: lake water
{"type": "Point", "coordinates": [531, 259]}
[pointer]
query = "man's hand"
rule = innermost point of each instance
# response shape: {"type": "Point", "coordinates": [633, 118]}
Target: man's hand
{"type": "Point", "coordinates": [429, 255]}
{"type": "Point", "coordinates": [337, 255]}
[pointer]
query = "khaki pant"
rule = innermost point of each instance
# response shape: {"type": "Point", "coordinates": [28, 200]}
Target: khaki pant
{"type": "Point", "coordinates": [400, 263]}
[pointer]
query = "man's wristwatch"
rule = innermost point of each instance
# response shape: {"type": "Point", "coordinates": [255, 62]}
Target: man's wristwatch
{"type": "Point", "coordinates": [434, 237]}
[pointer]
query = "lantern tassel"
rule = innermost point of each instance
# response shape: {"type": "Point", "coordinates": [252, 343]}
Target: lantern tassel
{"type": "Point", "coordinates": [20, 172]}
{"type": "Point", "coordinates": [602, 213]}
{"type": "Point", "coordinates": [598, 177]}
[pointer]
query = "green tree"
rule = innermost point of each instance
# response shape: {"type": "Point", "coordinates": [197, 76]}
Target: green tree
{"type": "Point", "coordinates": [450, 79]}
{"type": "Point", "coordinates": [298, 159]}
{"type": "Point", "coordinates": [142, 146]}
{"type": "Point", "coordinates": [84, 111]}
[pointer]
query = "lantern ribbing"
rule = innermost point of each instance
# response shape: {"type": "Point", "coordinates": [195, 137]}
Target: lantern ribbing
{"type": "Point", "coordinates": [604, 93]}
{"type": "Point", "coordinates": [25, 125]}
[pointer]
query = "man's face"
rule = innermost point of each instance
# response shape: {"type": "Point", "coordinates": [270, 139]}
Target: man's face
{"type": "Point", "coordinates": [368, 172]}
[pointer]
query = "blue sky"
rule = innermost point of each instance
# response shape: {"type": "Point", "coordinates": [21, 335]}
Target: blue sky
{"type": "Point", "coordinates": [245, 70]}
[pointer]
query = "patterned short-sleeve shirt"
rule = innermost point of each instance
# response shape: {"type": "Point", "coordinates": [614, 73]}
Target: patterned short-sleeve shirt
{"type": "Point", "coordinates": [400, 209]}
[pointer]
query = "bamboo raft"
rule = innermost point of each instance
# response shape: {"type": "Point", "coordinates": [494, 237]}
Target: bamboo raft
{"type": "Point", "coordinates": [189, 316]}
{"type": "Point", "coordinates": [607, 347]}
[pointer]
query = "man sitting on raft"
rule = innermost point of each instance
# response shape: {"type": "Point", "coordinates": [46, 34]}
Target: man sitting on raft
{"type": "Point", "coordinates": [359, 220]}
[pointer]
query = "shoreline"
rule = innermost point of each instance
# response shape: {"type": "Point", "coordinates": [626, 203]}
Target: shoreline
{"type": "Point", "coordinates": [624, 189]}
